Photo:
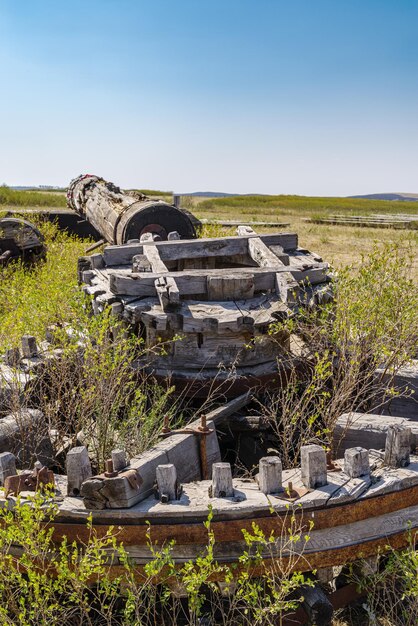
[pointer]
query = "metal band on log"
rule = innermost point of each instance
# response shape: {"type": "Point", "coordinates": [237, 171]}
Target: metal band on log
{"type": "Point", "coordinates": [121, 216]}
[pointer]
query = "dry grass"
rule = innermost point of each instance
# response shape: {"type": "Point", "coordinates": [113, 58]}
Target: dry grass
{"type": "Point", "coordinates": [339, 245]}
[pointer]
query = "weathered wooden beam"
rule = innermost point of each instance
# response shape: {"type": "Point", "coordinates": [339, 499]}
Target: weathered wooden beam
{"type": "Point", "coordinates": [220, 414]}
{"type": "Point", "coordinates": [194, 282]}
{"type": "Point", "coordinates": [262, 254]}
{"type": "Point", "coordinates": [153, 256]}
{"type": "Point", "coordinates": [190, 248]}
{"type": "Point", "coordinates": [224, 287]}
{"type": "Point", "coordinates": [25, 433]}
{"type": "Point", "coordinates": [367, 430]}
{"type": "Point", "coordinates": [167, 292]}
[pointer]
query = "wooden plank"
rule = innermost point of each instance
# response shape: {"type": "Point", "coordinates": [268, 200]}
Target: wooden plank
{"type": "Point", "coordinates": [367, 430]}
{"type": "Point", "coordinates": [350, 490]}
{"type": "Point", "coordinates": [152, 254]}
{"type": "Point", "coordinates": [190, 248]}
{"type": "Point", "coordinates": [220, 414]}
{"type": "Point", "coordinates": [194, 282]}
{"type": "Point", "coordinates": [261, 254]}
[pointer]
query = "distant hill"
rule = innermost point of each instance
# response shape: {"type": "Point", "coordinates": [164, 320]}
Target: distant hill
{"type": "Point", "coordinates": [405, 197]}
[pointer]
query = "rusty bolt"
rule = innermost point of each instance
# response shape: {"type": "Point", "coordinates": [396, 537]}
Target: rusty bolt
{"type": "Point", "coordinates": [203, 425]}
{"type": "Point", "coordinates": [166, 427]}
{"type": "Point", "coordinates": [110, 472]}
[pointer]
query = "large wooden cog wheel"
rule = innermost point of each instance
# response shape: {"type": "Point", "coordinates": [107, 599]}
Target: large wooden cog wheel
{"type": "Point", "coordinates": [20, 239]}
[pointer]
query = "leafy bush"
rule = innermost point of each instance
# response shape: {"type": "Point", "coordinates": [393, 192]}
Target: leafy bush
{"type": "Point", "coordinates": [347, 352]}
{"type": "Point", "coordinates": [45, 583]}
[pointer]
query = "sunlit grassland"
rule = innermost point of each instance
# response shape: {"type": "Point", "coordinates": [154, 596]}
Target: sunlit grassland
{"type": "Point", "coordinates": [48, 293]}
{"type": "Point", "coordinates": [339, 245]}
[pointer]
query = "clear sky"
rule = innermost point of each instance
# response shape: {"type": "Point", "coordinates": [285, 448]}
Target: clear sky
{"type": "Point", "coordinates": [299, 96]}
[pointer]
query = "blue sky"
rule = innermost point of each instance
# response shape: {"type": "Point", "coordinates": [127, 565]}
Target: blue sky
{"type": "Point", "coordinates": [303, 97]}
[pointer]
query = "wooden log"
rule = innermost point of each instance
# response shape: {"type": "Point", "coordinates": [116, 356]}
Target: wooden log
{"type": "Point", "coordinates": [166, 476]}
{"type": "Point", "coordinates": [313, 466]}
{"type": "Point", "coordinates": [356, 462]}
{"type": "Point", "coordinates": [222, 486]}
{"type": "Point", "coordinates": [270, 475]}
{"type": "Point", "coordinates": [7, 466]}
{"type": "Point", "coordinates": [122, 216]}
{"type": "Point", "coordinates": [78, 469]}
{"type": "Point", "coordinates": [398, 446]}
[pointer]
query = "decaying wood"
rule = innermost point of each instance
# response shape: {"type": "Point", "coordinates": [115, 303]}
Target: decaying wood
{"type": "Point", "coordinates": [166, 476]}
{"type": "Point", "coordinates": [183, 249]}
{"type": "Point", "coordinates": [367, 430]}
{"type": "Point", "coordinates": [19, 238]}
{"type": "Point", "coordinates": [270, 475]}
{"type": "Point", "coordinates": [314, 466]}
{"type": "Point", "coordinates": [222, 486]}
{"type": "Point", "coordinates": [167, 292]}
{"type": "Point", "coordinates": [122, 216]}
{"type": "Point", "coordinates": [398, 446]}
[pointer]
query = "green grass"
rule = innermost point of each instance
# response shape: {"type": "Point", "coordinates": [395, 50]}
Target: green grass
{"type": "Point", "coordinates": [15, 198]}
{"type": "Point", "coordinates": [32, 298]}
{"type": "Point", "coordinates": [269, 206]}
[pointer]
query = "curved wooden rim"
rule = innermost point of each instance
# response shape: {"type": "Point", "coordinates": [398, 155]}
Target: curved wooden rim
{"type": "Point", "coordinates": [133, 532]}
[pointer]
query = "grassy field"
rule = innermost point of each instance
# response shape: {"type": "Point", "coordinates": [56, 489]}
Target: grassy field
{"type": "Point", "coordinates": [339, 245]}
